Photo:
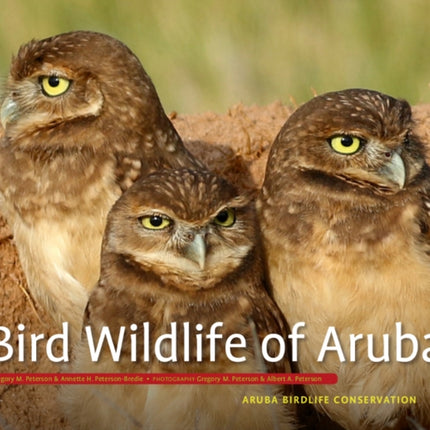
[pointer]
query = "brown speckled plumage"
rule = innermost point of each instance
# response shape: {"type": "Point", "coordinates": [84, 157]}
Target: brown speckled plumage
{"type": "Point", "coordinates": [346, 238]}
{"type": "Point", "coordinates": [147, 276]}
{"type": "Point", "coordinates": [67, 158]}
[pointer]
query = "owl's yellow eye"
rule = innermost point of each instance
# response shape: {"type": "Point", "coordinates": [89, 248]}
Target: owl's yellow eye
{"type": "Point", "coordinates": [225, 218]}
{"type": "Point", "coordinates": [345, 144]}
{"type": "Point", "coordinates": [54, 86]}
{"type": "Point", "coordinates": [155, 222]}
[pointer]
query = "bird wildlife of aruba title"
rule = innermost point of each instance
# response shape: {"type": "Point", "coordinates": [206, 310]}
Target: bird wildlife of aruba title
{"type": "Point", "coordinates": [402, 346]}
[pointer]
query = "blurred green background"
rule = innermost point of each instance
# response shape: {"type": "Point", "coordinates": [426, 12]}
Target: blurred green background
{"type": "Point", "coordinates": [210, 54]}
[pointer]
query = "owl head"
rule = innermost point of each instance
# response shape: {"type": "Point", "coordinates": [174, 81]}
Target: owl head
{"type": "Point", "coordinates": [355, 139]}
{"type": "Point", "coordinates": [61, 87]}
{"type": "Point", "coordinates": [189, 228]}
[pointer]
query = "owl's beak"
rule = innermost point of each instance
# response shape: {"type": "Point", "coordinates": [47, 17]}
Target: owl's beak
{"type": "Point", "coordinates": [394, 170]}
{"type": "Point", "coordinates": [196, 250]}
{"type": "Point", "coordinates": [9, 111]}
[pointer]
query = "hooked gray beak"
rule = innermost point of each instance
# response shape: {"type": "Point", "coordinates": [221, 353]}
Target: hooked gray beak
{"type": "Point", "coordinates": [196, 250]}
{"type": "Point", "coordinates": [9, 111]}
{"type": "Point", "coordinates": [394, 170]}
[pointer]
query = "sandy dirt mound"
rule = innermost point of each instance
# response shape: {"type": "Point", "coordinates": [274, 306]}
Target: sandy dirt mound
{"type": "Point", "coordinates": [235, 144]}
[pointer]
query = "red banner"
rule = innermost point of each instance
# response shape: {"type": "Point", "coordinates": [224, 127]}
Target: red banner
{"type": "Point", "coordinates": [167, 378]}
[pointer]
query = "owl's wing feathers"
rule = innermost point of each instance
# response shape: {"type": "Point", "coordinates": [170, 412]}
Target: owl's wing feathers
{"type": "Point", "coordinates": [423, 218]}
{"type": "Point", "coordinates": [266, 319]}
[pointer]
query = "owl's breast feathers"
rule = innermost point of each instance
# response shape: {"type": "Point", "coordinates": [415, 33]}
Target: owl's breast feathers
{"type": "Point", "coordinates": [65, 181]}
{"type": "Point", "coordinates": [241, 305]}
{"type": "Point", "coordinates": [338, 233]}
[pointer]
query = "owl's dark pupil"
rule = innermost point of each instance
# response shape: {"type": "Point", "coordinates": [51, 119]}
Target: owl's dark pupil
{"type": "Point", "coordinates": [347, 141]}
{"type": "Point", "coordinates": [54, 81]}
{"type": "Point", "coordinates": [156, 220]}
{"type": "Point", "coordinates": [222, 216]}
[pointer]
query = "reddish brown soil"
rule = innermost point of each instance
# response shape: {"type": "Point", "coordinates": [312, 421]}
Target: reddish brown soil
{"type": "Point", "coordinates": [234, 144]}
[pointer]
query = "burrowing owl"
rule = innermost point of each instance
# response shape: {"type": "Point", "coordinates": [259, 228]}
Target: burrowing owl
{"type": "Point", "coordinates": [181, 247]}
{"type": "Point", "coordinates": [82, 121]}
{"type": "Point", "coordinates": [344, 214]}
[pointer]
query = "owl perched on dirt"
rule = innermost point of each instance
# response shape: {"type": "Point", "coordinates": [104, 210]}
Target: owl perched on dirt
{"type": "Point", "coordinates": [181, 246]}
{"type": "Point", "coordinates": [344, 213]}
{"type": "Point", "coordinates": [82, 121]}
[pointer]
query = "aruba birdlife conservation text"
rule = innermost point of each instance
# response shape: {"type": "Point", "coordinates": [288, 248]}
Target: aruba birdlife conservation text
{"type": "Point", "coordinates": [166, 346]}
